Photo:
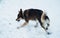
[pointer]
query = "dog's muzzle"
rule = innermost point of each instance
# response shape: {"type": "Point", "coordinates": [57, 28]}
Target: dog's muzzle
{"type": "Point", "coordinates": [17, 20]}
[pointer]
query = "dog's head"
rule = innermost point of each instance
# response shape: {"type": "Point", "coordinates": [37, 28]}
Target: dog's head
{"type": "Point", "coordinates": [19, 16]}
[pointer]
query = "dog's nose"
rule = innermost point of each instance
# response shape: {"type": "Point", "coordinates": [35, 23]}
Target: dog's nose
{"type": "Point", "coordinates": [17, 20]}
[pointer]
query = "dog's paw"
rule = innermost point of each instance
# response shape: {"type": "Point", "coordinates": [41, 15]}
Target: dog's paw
{"type": "Point", "coordinates": [35, 26]}
{"type": "Point", "coordinates": [46, 28]}
{"type": "Point", "coordinates": [49, 33]}
{"type": "Point", "coordinates": [18, 27]}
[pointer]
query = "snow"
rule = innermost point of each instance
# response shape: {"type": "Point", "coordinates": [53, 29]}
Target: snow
{"type": "Point", "coordinates": [8, 14]}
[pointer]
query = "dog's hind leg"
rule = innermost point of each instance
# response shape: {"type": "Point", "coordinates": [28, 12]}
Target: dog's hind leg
{"type": "Point", "coordinates": [41, 24]}
{"type": "Point", "coordinates": [47, 26]}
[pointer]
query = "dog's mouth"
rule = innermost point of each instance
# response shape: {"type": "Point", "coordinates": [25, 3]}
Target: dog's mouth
{"type": "Point", "coordinates": [18, 19]}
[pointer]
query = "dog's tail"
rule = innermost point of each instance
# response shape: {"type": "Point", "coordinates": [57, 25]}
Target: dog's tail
{"type": "Point", "coordinates": [44, 16]}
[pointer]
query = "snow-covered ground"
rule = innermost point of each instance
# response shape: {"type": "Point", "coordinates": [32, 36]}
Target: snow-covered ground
{"type": "Point", "coordinates": [8, 14]}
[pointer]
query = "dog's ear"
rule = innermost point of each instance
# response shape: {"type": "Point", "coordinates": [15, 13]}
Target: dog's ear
{"type": "Point", "coordinates": [20, 9]}
{"type": "Point", "coordinates": [20, 12]}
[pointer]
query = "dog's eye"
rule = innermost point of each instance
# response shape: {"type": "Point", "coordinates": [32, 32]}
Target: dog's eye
{"type": "Point", "coordinates": [18, 15]}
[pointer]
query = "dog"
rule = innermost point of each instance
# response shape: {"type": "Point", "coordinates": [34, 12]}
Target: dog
{"type": "Point", "coordinates": [33, 14]}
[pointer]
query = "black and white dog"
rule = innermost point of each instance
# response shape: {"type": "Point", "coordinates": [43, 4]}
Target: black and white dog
{"type": "Point", "coordinates": [34, 14]}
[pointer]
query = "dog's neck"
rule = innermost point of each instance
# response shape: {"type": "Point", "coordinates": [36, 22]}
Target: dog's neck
{"type": "Point", "coordinates": [23, 16]}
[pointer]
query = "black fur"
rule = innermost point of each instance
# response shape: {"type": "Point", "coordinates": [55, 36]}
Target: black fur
{"type": "Point", "coordinates": [32, 14]}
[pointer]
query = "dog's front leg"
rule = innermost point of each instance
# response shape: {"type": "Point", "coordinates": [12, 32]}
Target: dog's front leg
{"type": "Point", "coordinates": [25, 23]}
{"type": "Point", "coordinates": [36, 23]}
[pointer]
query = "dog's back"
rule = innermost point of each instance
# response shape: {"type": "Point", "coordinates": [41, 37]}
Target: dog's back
{"type": "Point", "coordinates": [32, 14]}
